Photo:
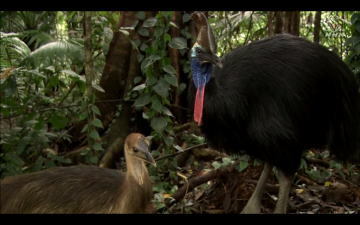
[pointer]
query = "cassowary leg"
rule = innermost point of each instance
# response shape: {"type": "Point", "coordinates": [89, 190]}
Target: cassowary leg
{"type": "Point", "coordinates": [254, 203]}
{"type": "Point", "coordinates": [285, 186]}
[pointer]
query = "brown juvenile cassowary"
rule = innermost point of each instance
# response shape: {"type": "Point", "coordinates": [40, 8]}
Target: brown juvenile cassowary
{"type": "Point", "coordinates": [84, 189]}
{"type": "Point", "coordinates": [273, 99]}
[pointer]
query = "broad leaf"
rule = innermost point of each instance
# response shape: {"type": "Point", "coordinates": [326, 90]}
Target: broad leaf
{"type": "Point", "coordinates": [143, 100]}
{"type": "Point", "coordinates": [97, 123]}
{"type": "Point", "coordinates": [150, 22]}
{"type": "Point", "coordinates": [156, 104]}
{"type": "Point", "coordinates": [178, 43]}
{"type": "Point", "coordinates": [162, 88]}
{"type": "Point", "coordinates": [158, 124]}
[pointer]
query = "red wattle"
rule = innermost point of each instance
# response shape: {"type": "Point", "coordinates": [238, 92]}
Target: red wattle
{"type": "Point", "coordinates": [199, 103]}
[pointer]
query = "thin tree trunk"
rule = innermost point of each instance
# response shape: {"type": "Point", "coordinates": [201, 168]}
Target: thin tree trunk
{"type": "Point", "coordinates": [317, 27]}
{"type": "Point", "coordinates": [278, 29]}
{"type": "Point", "coordinates": [115, 72]}
{"type": "Point", "coordinates": [89, 64]}
{"type": "Point", "coordinates": [291, 22]}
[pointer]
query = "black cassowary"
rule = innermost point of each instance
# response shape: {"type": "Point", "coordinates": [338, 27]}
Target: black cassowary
{"type": "Point", "coordinates": [273, 99]}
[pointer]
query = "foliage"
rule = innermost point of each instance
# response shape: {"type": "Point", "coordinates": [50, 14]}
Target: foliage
{"type": "Point", "coordinates": [237, 28]}
{"type": "Point", "coordinates": [353, 59]}
{"type": "Point", "coordinates": [44, 93]}
{"type": "Point", "coordinates": [41, 94]}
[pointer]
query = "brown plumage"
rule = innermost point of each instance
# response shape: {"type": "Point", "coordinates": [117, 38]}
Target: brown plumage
{"type": "Point", "coordinates": [84, 189]}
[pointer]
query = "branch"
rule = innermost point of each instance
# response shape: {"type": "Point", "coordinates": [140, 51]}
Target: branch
{"type": "Point", "coordinates": [196, 181]}
{"type": "Point", "coordinates": [178, 153]}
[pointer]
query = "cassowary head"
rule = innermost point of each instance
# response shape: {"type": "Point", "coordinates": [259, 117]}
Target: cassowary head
{"type": "Point", "coordinates": [136, 145]}
{"type": "Point", "coordinates": [203, 58]}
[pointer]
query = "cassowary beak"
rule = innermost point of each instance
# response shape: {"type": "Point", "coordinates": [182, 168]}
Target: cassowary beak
{"type": "Point", "coordinates": [144, 153]}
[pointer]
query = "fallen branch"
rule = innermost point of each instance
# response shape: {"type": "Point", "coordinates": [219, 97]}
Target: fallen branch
{"type": "Point", "coordinates": [182, 127]}
{"type": "Point", "coordinates": [307, 180]}
{"type": "Point", "coordinates": [318, 161]}
{"type": "Point", "coordinates": [180, 152]}
{"type": "Point", "coordinates": [196, 181]}
{"type": "Point", "coordinates": [269, 187]}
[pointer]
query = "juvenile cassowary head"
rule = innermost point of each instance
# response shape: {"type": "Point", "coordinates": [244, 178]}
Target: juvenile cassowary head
{"type": "Point", "coordinates": [136, 145]}
{"type": "Point", "coordinates": [203, 58]}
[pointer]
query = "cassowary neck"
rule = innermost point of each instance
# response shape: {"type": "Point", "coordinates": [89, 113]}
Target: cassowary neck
{"type": "Point", "coordinates": [136, 169]}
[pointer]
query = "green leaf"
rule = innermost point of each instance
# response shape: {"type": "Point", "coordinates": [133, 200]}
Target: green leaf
{"type": "Point", "coordinates": [167, 37]}
{"type": "Point", "coordinates": [97, 87]}
{"type": "Point", "coordinates": [186, 18]}
{"type": "Point", "coordinates": [177, 147]}
{"type": "Point", "coordinates": [83, 116]}
{"type": "Point", "coordinates": [151, 80]}
{"type": "Point", "coordinates": [139, 87]}
{"type": "Point", "coordinates": [148, 61]}
{"type": "Point", "coordinates": [178, 43]}
{"type": "Point", "coordinates": [173, 24]}
{"type": "Point", "coordinates": [93, 159]}
{"type": "Point", "coordinates": [171, 79]}
{"type": "Point", "coordinates": [145, 116]}
{"type": "Point", "coordinates": [143, 100]}
{"type": "Point", "coordinates": [242, 165]}
{"type": "Point", "coordinates": [95, 110]}
{"type": "Point", "coordinates": [85, 128]}
{"type": "Point", "coordinates": [169, 141]}
{"type": "Point", "coordinates": [156, 104]}
{"type": "Point", "coordinates": [97, 147]}
{"type": "Point", "coordinates": [162, 88]}
{"type": "Point", "coordinates": [158, 124]}
{"type": "Point", "coordinates": [226, 161]}
{"type": "Point", "coordinates": [97, 123]}
{"type": "Point", "coordinates": [150, 22]}
{"type": "Point", "coordinates": [144, 32]}
{"type": "Point", "coordinates": [181, 88]}
{"type": "Point", "coordinates": [58, 122]}
{"type": "Point", "coordinates": [125, 32]}
{"type": "Point", "coordinates": [94, 135]}
{"type": "Point", "coordinates": [140, 15]}
{"type": "Point", "coordinates": [169, 69]}
{"type": "Point", "coordinates": [74, 75]}
{"type": "Point", "coordinates": [143, 47]}
{"type": "Point", "coordinates": [167, 112]}
{"type": "Point", "coordinates": [216, 165]}
{"type": "Point", "coordinates": [137, 79]}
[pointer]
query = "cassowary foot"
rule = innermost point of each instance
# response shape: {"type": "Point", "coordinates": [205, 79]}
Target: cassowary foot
{"type": "Point", "coordinates": [285, 186]}
{"type": "Point", "coordinates": [254, 204]}
{"type": "Point", "coordinates": [252, 207]}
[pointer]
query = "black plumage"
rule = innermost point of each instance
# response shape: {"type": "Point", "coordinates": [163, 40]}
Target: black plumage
{"type": "Point", "coordinates": [280, 96]}
{"type": "Point", "coordinates": [277, 97]}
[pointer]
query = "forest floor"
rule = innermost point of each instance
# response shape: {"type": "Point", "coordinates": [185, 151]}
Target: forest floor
{"type": "Point", "coordinates": [229, 191]}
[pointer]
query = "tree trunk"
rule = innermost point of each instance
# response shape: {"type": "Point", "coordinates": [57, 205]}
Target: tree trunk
{"type": "Point", "coordinates": [317, 27]}
{"type": "Point", "coordinates": [89, 64]}
{"type": "Point", "coordinates": [283, 22]}
{"type": "Point", "coordinates": [291, 22]}
{"type": "Point", "coordinates": [115, 72]}
{"type": "Point", "coordinates": [114, 75]}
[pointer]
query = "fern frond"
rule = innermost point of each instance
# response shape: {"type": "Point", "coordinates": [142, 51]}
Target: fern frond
{"type": "Point", "coordinates": [56, 50]}
{"type": "Point", "coordinates": [12, 50]}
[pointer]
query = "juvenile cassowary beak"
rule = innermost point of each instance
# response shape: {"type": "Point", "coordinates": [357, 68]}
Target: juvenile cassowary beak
{"type": "Point", "coordinates": [143, 152]}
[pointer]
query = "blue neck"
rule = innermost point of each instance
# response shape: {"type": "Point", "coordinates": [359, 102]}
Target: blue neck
{"type": "Point", "coordinates": [201, 73]}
